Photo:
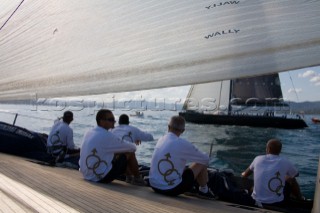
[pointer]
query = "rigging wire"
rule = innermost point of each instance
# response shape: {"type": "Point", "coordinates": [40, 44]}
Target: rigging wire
{"type": "Point", "coordinates": [295, 91]}
{"type": "Point", "coordinates": [185, 104]}
{"type": "Point", "coordinates": [11, 15]}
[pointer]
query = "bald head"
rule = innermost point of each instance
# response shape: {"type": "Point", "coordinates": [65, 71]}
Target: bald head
{"type": "Point", "coordinates": [274, 147]}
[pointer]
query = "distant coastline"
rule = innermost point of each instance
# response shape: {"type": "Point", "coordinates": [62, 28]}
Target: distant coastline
{"type": "Point", "coordinates": [307, 107]}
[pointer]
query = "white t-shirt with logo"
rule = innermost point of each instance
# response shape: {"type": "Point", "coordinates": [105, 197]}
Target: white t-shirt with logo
{"type": "Point", "coordinates": [97, 152]}
{"type": "Point", "coordinates": [61, 134]}
{"type": "Point", "coordinates": [131, 133]}
{"type": "Point", "coordinates": [169, 160]}
{"type": "Point", "coordinates": [269, 177]}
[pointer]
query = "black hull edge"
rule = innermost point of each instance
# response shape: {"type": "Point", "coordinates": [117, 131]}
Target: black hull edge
{"type": "Point", "coordinates": [244, 120]}
{"type": "Point", "coordinates": [15, 140]}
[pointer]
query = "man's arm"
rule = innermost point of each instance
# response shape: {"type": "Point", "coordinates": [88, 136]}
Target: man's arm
{"type": "Point", "coordinates": [69, 139]}
{"type": "Point", "coordinates": [247, 172]}
{"type": "Point", "coordinates": [143, 136]}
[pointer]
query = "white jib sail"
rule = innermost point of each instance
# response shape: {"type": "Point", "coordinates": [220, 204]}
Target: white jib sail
{"type": "Point", "coordinates": [209, 97]}
{"type": "Point", "coordinates": [80, 47]}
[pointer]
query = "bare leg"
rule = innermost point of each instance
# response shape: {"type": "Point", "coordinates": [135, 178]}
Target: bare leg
{"type": "Point", "coordinates": [132, 164]}
{"type": "Point", "coordinates": [200, 173]}
{"type": "Point", "coordinates": [295, 188]}
{"type": "Point", "coordinates": [133, 170]}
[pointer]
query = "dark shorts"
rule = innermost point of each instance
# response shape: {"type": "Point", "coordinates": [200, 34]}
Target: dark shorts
{"type": "Point", "coordinates": [281, 204]}
{"type": "Point", "coordinates": [185, 185]}
{"type": "Point", "coordinates": [73, 151]}
{"type": "Point", "coordinates": [119, 166]}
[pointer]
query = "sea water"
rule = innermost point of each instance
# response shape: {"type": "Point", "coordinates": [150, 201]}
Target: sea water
{"type": "Point", "coordinates": [233, 147]}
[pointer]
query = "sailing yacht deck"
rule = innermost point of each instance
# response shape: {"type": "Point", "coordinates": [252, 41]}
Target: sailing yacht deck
{"type": "Point", "coordinates": [29, 187]}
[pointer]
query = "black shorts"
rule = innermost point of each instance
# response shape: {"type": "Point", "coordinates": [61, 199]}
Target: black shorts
{"type": "Point", "coordinates": [73, 151]}
{"type": "Point", "coordinates": [185, 185]}
{"type": "Point", "coordinates": [119, 166]}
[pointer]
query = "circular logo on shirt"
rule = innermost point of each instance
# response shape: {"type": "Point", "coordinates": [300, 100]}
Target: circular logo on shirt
{"type": "Point", "coordinates": [275, 184]}
{"type": "Point", "coordinates": [127, 137]}
{"type": "Point", "coordinates": [167, 170]}
{"type": "Point", "coordinates": [55, 139]}
{"type": "Point", "coordinates": [94, 163]}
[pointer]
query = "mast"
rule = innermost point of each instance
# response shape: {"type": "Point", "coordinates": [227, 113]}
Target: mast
{"type": "Point", "coordinates": [185, 105]}
{"type": "Point", "coordinates": [221, 84]}
{"type": "Point", "coordinates": [230, 92]}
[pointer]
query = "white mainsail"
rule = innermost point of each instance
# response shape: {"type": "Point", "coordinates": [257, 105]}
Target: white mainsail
{"type": "Point", "coordinates": [209, 97]}
{"type": "Point", "coordinates": [80, 47]}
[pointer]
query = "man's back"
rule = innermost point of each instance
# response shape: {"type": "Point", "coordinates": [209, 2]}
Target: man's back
{"type": "Point", "coordinates": [61, 135]}
{"type": "Point", "coordinates": [169, 160]}
{"type": "Point", "coordinates": [97, 151]}
{"type": "Point", "coordinates": [270, 173]}
{"type": "Point", "coordinates": [131, 133]}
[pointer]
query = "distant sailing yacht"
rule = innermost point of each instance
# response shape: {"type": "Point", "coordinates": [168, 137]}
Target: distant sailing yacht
{"type": "Point", "coordinates": [255, 101]}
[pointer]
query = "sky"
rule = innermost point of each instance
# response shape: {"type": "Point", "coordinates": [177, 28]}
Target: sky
{"type": "Point", "coordinates": [297, 86]}
{"type": "Point", "coordinates": [305, 84]}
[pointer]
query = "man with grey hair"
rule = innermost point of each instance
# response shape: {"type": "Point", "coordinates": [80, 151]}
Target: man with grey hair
{"type": "Point", "coordinates": [168, 172]}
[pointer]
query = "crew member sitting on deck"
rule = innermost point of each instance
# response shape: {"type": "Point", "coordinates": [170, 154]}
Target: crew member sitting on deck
{"type": "Point", "coordinates": [60, 140]}
{"type": "Point", "coordinates": [271, 173]}
{"type": "Point", "coordinates": [104, 157]}
{"type": "Point", "coordinates": [168, 172]}
{"type": "Point", "coordinates": [131, 134]}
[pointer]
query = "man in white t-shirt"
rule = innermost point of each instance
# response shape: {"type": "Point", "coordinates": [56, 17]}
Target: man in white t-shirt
{"type": "Point", "coordinates": [131, 134]}
{"type": "Point", "coordinates": [168, 173]}
{"type": "Point", "coordinates": [271, 173]}
{"type": "Point", "coordinates": [60, 140]}
{"type": "Point", "coordinates": [104, 157]}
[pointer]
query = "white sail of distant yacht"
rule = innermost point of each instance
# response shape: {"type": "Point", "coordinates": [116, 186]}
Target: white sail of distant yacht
{"type": "Point", "coordinates": [79, 47]}
{"type": "Point", "coordinates": [209, 97]}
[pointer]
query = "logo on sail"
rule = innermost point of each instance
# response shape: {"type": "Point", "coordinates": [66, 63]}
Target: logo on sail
{"type": "Point", "coordinates": [222, 4]}
{"type": "Point", "coordinates": [222, 32]}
